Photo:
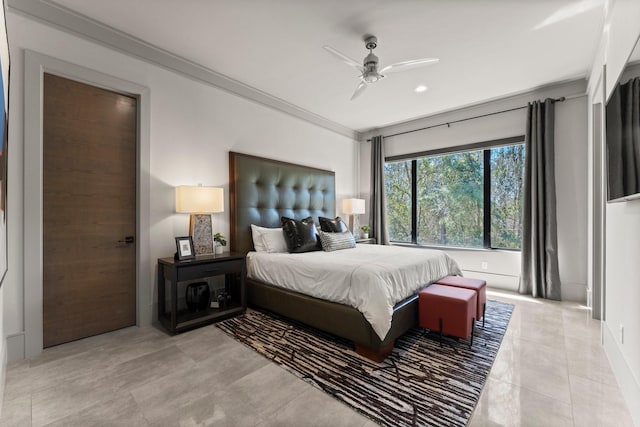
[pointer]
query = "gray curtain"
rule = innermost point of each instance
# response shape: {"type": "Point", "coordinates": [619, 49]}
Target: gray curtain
{"type": "Point", "coordinates": [623, 139]}
{"type": "Point", "coordinates": [539, 276]}
{"type": "Point", "coordinates": [378, 208]}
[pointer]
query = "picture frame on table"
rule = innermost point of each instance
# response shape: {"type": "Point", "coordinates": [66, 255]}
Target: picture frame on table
{"type": "Point", "coordinates": [184, 246]}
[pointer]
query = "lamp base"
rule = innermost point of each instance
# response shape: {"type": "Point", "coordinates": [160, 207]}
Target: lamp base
{"type": "Point", "coordinates": [354, 225]}
{"type": "Point", "coordinates": [201, 230]}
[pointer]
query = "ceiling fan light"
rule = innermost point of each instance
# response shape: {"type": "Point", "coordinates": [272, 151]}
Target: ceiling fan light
{"type": "Point", "coordinates": [372, 76]}
{"type": "Point", "coordinates": [369, 72]}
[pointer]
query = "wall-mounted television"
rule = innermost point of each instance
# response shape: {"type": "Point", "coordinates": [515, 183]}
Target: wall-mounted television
{"type": "Point", "coordinates": [623, 136]}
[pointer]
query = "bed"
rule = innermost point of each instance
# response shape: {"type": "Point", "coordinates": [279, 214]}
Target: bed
{"type": "Point", "coordinates": [261, 192]}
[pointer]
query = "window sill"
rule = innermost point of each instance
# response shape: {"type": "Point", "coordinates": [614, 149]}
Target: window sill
{"type": "Point", "coordinates": [453, 248]}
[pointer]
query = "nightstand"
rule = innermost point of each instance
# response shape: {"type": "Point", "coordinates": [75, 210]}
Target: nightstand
{"type": "Point", "coordinates": [369, 241]}
{"type": "Point", "coordinates": [228, 270]}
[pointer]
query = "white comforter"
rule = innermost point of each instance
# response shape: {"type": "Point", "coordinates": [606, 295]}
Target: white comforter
{"type": "Point", "coordinates": [371, 278]}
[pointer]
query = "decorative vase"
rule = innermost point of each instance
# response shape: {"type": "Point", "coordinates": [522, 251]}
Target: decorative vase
{"type": "Point", "coordinates": [219, 249]}
{"type": "Point", "coordinates": [197, 296]}
{"type": "Point", "coordinates": [365, 235]}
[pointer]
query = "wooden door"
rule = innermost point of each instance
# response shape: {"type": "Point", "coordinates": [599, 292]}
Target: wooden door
{"type": "Point", "coordinates": [89, 208]}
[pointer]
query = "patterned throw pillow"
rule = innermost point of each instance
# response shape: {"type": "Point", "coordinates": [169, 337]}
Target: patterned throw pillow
{"type": "Point", "coordinates": [336, 241]}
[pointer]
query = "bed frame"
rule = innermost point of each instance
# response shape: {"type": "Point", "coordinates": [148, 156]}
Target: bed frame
{"type": "Point", "coordinates": [261, 191]}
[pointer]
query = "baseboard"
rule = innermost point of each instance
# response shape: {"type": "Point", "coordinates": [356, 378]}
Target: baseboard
{"type": "Point", "coordinates": [15, 347]}
{"type": "Point", "coordinates": [3, 374]}
{"type": "Point", "coordinates": [574, 292]}
{"type": "Point", "coordinates": [495, 281]}
{"type": "Point", "coordinates": [629, 384]}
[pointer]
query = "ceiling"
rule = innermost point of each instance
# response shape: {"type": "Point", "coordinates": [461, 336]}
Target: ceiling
{"type": "Point", "coordinates": [487, 48]}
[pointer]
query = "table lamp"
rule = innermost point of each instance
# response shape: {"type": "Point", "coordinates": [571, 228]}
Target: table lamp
{"type": "Point", "coordinates": [200, 202]}
{"type": "Point", "coordinates": [353, 208]}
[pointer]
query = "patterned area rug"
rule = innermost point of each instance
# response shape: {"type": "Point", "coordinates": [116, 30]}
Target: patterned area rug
{"type": "Point", "coordinates": [421, 383]}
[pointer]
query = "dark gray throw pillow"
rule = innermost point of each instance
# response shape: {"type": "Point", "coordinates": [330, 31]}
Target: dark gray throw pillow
{"type": "Point", "coordinates": [330, 225]}
{"type": "Point", "coordinates": [300, 235]}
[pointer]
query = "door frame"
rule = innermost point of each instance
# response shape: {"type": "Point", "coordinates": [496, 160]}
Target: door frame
{"type": "Point", "coordinates": [35, 65]}
{"type": "Point", "coordinates": [597, 208]}
{"type": "Point", "coordinates": [598, 212]}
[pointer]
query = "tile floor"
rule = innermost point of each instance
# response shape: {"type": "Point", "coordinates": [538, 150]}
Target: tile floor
{"type": "Point", "coordinates": [550, 371]}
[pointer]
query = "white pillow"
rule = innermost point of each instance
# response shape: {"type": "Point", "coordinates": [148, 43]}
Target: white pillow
{"type": "Point", "coordinates": [256, 235]}
{"type": "Point", "coordinates": [268, 239]}
{"type": "Point", "coordinates": [273, 239]}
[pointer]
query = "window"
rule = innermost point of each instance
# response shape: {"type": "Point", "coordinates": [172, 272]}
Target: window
{"type": "Point", "coordinates": [507, 180]}
{"type": "Point", "coordinates": [450, 200]}
{"type": "Point", "coordinates": [469, 198]}
{"type": "Point", "coordinates": [398, 177]}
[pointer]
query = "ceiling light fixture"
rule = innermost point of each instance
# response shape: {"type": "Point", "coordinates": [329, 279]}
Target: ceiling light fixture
{"type": "Point", "coordinates": [369, 72]}
{"type": "Point", "coordinates": [420, 89]}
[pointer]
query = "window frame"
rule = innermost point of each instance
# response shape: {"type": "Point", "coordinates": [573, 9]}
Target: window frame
{"type": "Point", "coordinates": [486, 147]}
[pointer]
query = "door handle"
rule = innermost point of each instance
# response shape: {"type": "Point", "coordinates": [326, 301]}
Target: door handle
{"type": "Point", "coordinates": [128, 240]}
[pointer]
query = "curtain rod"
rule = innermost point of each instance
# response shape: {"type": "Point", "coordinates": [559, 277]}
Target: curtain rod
{"type": "Point", "coordinates": [448, 124]}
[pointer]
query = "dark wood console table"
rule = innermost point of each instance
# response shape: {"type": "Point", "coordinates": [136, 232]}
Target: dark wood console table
{"type": "Point", "coordinates": [172, 275]}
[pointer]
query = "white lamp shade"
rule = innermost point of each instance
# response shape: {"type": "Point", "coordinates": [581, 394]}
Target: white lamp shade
{"type": "Point", "coordinates": [192, 199]}
{"type": "Point", "coordinates": [353, 206]}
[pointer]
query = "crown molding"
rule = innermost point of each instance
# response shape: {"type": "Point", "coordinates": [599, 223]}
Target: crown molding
{"type": "Point", "coordinates": [67, 20]}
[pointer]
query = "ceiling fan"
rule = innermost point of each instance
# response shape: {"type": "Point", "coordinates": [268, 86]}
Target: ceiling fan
{"type": "Point", "coordinates": [369, 68]}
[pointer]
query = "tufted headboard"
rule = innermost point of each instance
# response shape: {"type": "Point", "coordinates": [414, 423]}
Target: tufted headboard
{"type": "Point", "coordinates": [262, 190]}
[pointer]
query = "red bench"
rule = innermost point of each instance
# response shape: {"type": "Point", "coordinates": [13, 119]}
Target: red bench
{"type": "Point", "coordinates": [476, 285]}
{"type": "Point", "coordinates": [448, 310]}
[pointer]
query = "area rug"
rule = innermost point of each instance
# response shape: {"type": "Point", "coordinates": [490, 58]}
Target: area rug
{"type": "Point", "coordinates": [422, 383]}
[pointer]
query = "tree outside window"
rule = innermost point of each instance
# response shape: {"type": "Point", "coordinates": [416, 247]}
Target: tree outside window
{"type": "Point", "coordinates": [446, 205]}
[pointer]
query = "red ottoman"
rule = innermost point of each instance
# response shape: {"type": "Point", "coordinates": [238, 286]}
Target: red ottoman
{"type": "Point", "coordinates": [477, 285]}
{"type": "Point", "coordinates": [448, 309]}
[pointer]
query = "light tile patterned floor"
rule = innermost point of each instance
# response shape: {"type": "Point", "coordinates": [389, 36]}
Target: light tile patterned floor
{"type": "Point", "coordinates": [550, 370]}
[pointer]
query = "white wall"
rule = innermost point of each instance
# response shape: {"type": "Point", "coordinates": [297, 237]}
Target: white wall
{"type": "Point", "coordinates": [622, 226]}
{"type": "Point", "coordinates": [571, 176]}
{"type": "Point", "coordinates": [193, 126]}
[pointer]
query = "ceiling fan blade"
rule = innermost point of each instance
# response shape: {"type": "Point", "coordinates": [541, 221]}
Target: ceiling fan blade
{"type": "Point", "coordinates": [344, 58]}
{"type": "Point", "coordinates": [361, 87]}
{"type": "Point", "coordinates": [405, 65]}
